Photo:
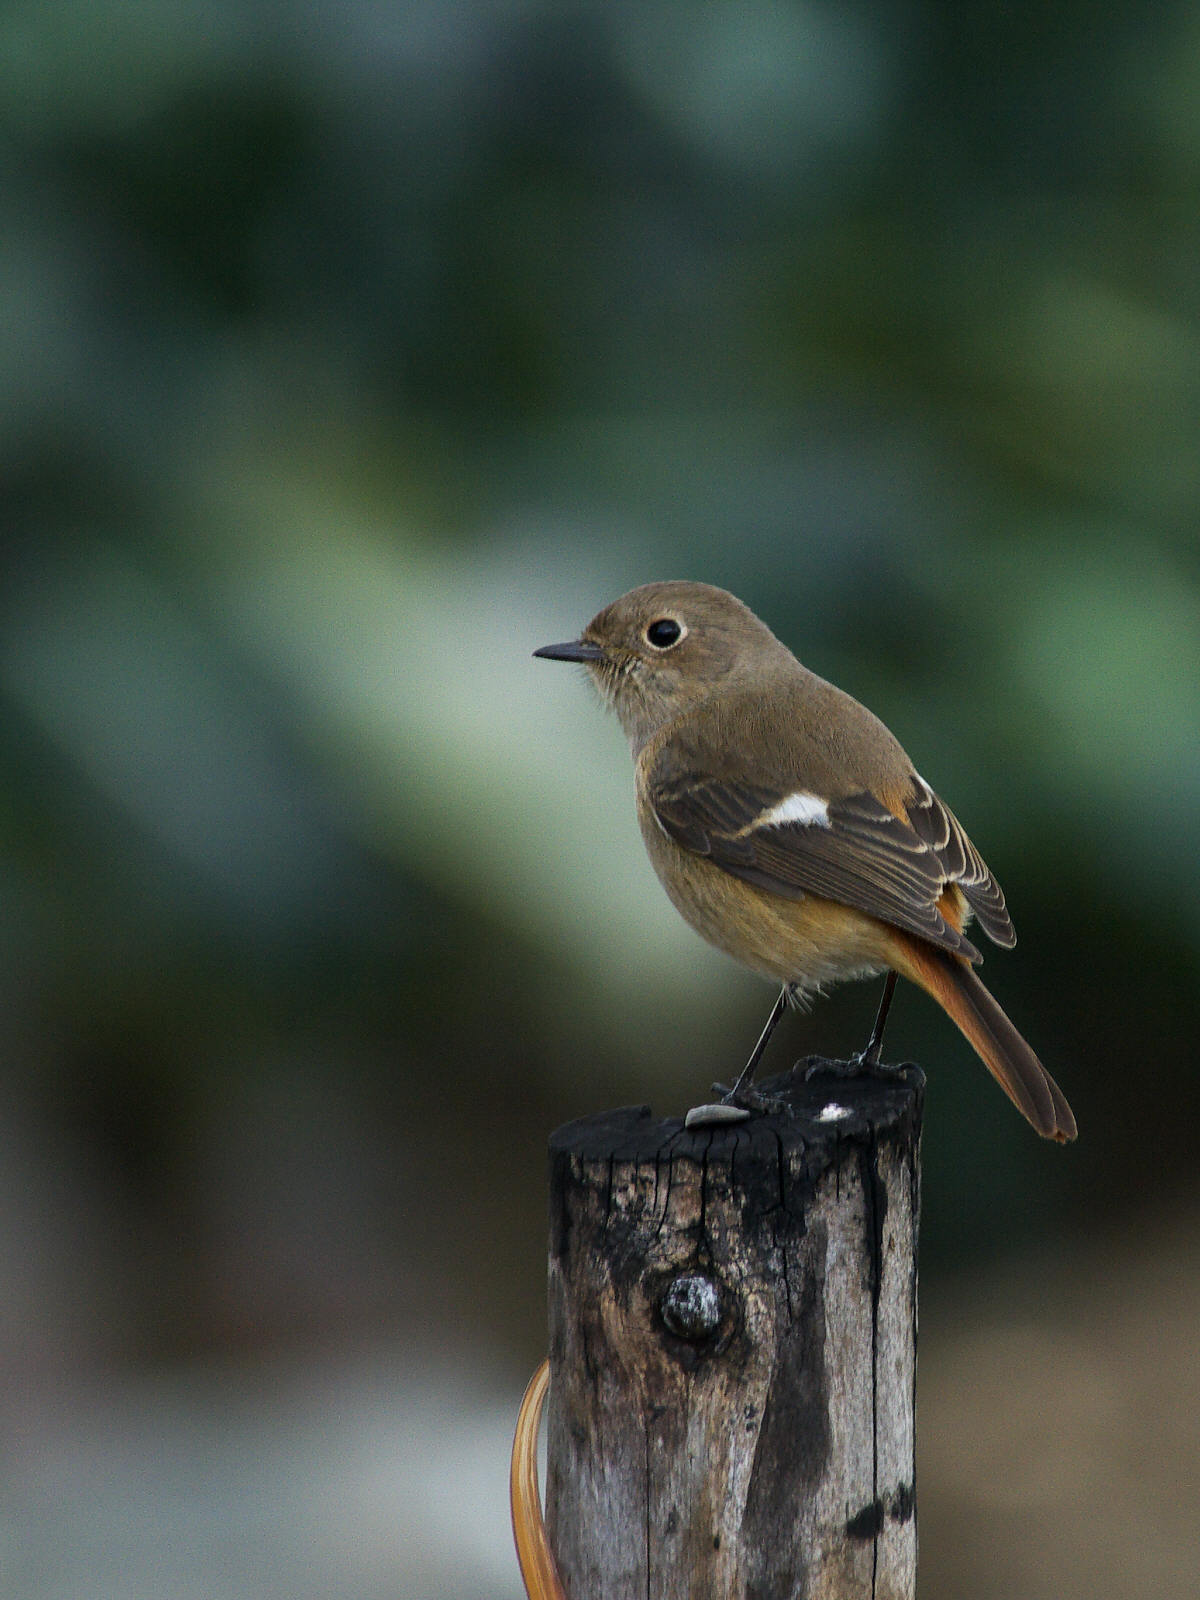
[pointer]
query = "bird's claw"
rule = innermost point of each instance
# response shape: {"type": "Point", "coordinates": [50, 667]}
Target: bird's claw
{"type": "Point", "coordinates": [748, 1098]}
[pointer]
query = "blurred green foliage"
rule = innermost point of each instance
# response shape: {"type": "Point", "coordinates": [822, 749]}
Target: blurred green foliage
{"type": "Point", "coordinates": [350, 353]}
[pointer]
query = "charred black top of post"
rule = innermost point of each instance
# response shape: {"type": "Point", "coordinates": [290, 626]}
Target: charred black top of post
{"type": "Point", "coordinates": [821, 1120]}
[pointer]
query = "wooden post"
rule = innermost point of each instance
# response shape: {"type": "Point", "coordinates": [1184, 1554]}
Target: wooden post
{"type": "Point", "coordinates": [733, 1349]}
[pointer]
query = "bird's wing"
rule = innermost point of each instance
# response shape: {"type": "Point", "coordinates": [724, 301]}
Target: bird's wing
{"type": "Point", "coordinates": [937, 827]}
{"type": "Point", "coordinates": [852, 849]}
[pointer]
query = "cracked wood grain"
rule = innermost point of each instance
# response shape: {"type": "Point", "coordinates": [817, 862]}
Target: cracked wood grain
{"type": "Point", "coordinates": [763, 1450]}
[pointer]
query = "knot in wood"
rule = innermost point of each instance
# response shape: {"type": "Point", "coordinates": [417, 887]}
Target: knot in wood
{"type": "Point", "coordinates": [691, 1306]}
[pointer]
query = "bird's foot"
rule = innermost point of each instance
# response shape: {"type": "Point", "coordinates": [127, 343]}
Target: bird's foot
{"type": "Point", "coordinates": [749, 1098]}
{"type": "Point", "coordinates": [735, 1105]}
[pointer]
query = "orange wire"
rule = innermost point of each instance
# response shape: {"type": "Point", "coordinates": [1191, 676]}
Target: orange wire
{"type": "Point", "coordinates": [534, 1556]}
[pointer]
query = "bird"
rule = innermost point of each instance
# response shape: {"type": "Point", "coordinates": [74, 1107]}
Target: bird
{"type": "Point", "coordinates": [791, 830]}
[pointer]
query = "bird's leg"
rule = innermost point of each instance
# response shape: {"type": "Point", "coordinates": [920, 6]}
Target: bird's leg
{"type": "Point", "coordinates": [866, 1061]}
{"type": "Point", "coordinates": [870, 1056]}
{"type": "Point", "coordinates": [736, 1104]}
{"type": "Point", "coordinates": [742, 1091]}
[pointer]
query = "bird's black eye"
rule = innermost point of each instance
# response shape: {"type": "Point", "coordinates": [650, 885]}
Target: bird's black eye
{"type": "Point", "coordinates": [663, 633]}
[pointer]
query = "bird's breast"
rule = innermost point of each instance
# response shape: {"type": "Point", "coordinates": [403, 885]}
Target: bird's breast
{"type": "Point", "coordinates": [808, 941]}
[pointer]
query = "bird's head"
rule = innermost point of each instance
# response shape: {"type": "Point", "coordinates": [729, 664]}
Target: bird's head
{"type": "Point", "coordinates": [664, 648]}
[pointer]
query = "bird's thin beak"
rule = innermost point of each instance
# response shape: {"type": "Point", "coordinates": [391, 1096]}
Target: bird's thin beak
{"type": "Point", "coordinates": [573, 650]}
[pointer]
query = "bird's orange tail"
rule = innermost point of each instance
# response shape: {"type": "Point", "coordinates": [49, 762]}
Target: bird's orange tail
{"type": "Point", "coordinates": [953, 984]}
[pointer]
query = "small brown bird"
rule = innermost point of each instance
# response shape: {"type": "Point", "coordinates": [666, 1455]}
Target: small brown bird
{"type": "Point", "coordinates": [791, 830]}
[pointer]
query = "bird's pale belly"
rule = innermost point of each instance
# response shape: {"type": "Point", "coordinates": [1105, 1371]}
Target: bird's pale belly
{"type": "Point", "coordinates": [809, 942]}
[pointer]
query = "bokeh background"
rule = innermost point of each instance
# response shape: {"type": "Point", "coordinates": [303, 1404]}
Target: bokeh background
{"type": "Point", "coordinates": [347, 354]}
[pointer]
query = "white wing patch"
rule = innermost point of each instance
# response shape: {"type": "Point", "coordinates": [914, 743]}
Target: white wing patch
{"type": "Point", "coordinates": [806, 809]}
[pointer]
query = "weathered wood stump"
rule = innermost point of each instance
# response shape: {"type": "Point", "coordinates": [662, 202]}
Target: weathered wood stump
{"type": "Point", "coordinates": [733, 1349]}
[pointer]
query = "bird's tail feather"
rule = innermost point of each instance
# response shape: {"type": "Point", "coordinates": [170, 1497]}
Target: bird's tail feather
{"type": "Point", "coordinates": [953, 984]}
